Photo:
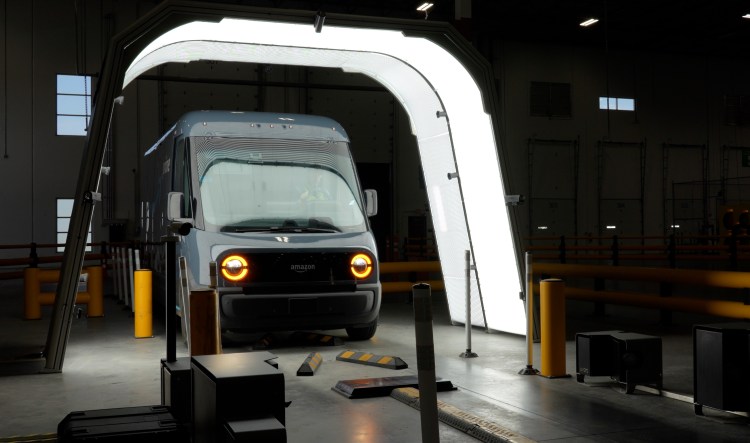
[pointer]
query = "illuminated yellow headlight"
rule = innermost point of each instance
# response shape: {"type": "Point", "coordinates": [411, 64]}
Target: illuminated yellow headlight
{"type": "Point", "coordinates": [361, 266]}
{"type": "Point", "coordinates": [234, 268]}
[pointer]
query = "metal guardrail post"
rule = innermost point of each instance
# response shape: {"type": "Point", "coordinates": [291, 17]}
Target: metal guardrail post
{"type": "Point", "coordinates": [117, 252]}
{"type": "Point", "coordinates": [105, 254]}
{"type": "Point", "coordinates": [468, 353]}
{"type": "Point", "coordinates": [529, 296]}
{"type": "Point", "coordinates": [184, 300]}
{"type": "Point", "coordinates": [34, 256]}
{"type": "Point", "coordinates": [129, 279]}
{"type": "Point", "coordinates": [170, 243]}
{"type": "Point", "coordinates": [428, 410]}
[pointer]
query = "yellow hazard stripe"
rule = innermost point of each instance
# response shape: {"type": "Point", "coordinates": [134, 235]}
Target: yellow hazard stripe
{"type": "Point", "coordinates": [347, 354]}
{"type": "Point", "coordinates": [315, 360]}
{"type": "Point", "coordinates": [365, 357]}
{"type": "Point", "coordinates": [385, 360]}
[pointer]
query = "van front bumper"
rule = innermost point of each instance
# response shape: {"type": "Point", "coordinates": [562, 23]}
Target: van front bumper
{"type": "Point", "coordinates": [289, 312]}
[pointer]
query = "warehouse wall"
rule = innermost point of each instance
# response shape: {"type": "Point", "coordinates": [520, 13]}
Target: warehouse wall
{"type": "Point", "coordinates": [680, 101]}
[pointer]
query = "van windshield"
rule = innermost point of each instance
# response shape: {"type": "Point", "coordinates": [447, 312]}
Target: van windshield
{"type": "Point", "coordinates": [256, 185]}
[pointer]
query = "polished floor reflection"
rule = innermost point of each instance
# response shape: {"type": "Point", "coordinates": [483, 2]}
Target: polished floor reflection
{"type": "Point", "coordinates": [105, 367]}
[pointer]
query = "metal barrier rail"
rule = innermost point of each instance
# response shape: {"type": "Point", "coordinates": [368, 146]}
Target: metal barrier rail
{"type": "Point", "coordinates": [664, 276]}
{"type": "Point", "coordinates": [708, 278]}
{"type": "Point", "coordinates": [409, 267]}
{"type": "Point", "coordinates": [719, 308]}
{"type": "Point", "coordinates": [33, 260]}
{"type": "Point", "coordinates": [729, 249]}
{"type": "Point", "coordinates": [34, 298]}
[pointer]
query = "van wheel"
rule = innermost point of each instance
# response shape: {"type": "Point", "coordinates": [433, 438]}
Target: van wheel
{"type": "Point", "coordinates": [364, 333]}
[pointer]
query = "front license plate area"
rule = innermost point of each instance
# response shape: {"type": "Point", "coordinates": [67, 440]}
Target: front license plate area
{"type": "Point", "coordinates": [308, 305]}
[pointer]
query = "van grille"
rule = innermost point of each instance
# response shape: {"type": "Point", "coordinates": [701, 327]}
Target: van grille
{"type": "Point", "coordinates": [280, 272]}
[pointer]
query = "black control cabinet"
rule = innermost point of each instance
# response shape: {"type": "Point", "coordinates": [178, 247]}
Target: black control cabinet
{"type": "Point", "coordinates": [627, 357]}
{"type": "Point", "coordinates": [176, 388]}
{"type": "Point", "coordinates": [238, 397]}
{"type": "Point", "coordinates": [721, 366]}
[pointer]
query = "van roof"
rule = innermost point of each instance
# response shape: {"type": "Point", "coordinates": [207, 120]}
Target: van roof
{"type": "Point", "coordinates": [260, 125]}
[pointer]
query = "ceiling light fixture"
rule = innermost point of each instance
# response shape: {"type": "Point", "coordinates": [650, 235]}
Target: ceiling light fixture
{"type": "Point", "coordinates": [746, 16]}
{"type": "Point", "coordinates": [425, 7]}
{"type": "Point", "coordinates": [589, 22]}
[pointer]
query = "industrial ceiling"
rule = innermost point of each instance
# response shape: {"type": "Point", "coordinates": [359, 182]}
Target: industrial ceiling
{"type": "Point", "coordinates": [701, 28]}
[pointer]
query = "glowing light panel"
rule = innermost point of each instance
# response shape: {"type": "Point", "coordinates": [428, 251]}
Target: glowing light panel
{"type": "Point", "coordinates": [453, 131]}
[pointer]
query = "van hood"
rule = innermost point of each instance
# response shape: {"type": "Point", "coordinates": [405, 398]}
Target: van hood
{"type": "Point", "coordinates": [288, 240]}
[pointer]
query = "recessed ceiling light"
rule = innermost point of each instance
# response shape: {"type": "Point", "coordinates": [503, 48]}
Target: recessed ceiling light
{"type": "Point", "coordinates": [589, 22]}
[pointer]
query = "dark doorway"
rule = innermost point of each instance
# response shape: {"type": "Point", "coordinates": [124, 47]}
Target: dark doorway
{"type": "Point", "coordinates": [377, 176]}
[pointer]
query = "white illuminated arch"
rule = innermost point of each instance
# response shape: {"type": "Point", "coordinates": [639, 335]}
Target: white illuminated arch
{"type": "Point", "coordinates": [430, 83]}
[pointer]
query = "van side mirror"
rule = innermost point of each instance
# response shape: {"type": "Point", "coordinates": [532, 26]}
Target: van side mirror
{"type": "Point", "coordinates": [177, 222]}
{"type": "Point", "coordinates": [371, 202]}
{"type": "Point", "coordinates": [174, 206]}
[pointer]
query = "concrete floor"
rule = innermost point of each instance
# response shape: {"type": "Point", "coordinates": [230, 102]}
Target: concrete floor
{"type": "Point", "coordinates": [105, 367]}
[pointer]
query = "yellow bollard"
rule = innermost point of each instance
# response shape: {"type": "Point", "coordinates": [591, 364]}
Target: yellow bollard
{"type": "Point", "coordinates": [552, 313]}
{"type": "Point", "coordinates": [96, 291]}
{"type": "Point", "coordinates": [142, 304]}
{"type": "Point", "coordinates": [32, 308]}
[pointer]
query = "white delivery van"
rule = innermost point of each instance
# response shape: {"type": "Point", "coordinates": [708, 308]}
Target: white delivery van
{"type": "Point", "coordinates": [274, 201]}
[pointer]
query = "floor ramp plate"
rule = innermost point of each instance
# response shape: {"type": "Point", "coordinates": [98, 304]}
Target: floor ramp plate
{"type": "Point", "coordinates": [365, 358]}
{"type": "Point", "coordinates": [482, 430]}
{"type": "Point", "coordinates": [381, 387]}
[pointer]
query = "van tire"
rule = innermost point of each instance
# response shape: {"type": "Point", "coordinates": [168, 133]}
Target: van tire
{"type": "Point", "coordinates": [363, 333]}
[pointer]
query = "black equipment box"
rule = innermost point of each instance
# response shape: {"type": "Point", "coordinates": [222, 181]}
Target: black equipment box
{"type": "Point", "coordinates": [176, 388]}
{"type": "Point", "coordinates": [626, 357]}
{"type": "Point", "coordinates": [595, 354]}
{"type": "Point", "coordinates": [144, 424]}
{"type": "Point", "coordinates": [721, 365]}
{"type": "Point", "coordinates": [236, 387]}
{"type": "Point", "coordinates": [262, 429]}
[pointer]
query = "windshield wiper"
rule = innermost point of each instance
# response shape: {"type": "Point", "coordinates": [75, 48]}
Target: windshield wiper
{"type": "Point", "coordinates": [283, 229]}
{"type": "Point", "coordinates": [245, 229]}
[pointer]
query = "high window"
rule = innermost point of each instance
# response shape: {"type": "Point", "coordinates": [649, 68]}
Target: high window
{"type": "Point", "coordinates": [73, 104]}
{"type": "Point", "coordinates": [617, 103]}
{"type": "Point", "coordinates": [64, 212]}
